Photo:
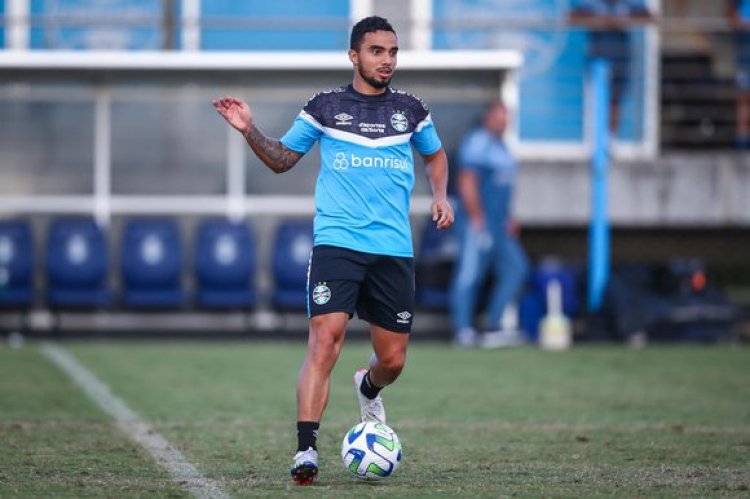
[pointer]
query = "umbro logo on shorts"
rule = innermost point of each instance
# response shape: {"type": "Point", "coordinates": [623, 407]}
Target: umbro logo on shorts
{"type": "Point", "coordinates": [403, 317]}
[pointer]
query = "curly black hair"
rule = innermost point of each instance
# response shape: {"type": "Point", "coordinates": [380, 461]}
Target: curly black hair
{"type": "Point", "coordinates": [368, 25]}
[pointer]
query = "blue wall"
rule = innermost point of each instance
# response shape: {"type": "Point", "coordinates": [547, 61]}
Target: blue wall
{"type": "Point", "coordinates": [555, 62]}
{"type": "Point", "coordinates": [146, 35]}
{"type": "Point", "coordinates": [301, 17]}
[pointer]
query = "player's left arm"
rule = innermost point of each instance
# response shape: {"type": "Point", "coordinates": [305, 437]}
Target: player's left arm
{"type": "Point", "coordinates": [436, 165]}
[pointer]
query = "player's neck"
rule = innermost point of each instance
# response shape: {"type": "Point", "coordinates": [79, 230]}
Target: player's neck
{"type": "Point", "coordinates": [362, 87]}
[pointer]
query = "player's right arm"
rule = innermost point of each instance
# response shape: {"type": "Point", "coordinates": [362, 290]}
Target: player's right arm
{"type": "Point", "coordinates": [270, 151]}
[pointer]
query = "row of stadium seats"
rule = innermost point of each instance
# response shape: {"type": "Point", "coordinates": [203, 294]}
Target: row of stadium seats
{"type": "Point", "coordinates": [77, 264]}
{"type": "Point", "coordinates": [224, 266]}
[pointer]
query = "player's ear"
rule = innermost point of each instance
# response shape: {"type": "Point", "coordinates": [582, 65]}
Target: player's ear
{"type": "Point", "coordinates": [354, 56]}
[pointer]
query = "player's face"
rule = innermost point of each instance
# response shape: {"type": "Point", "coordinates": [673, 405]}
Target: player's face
{"type": "Point", "coordinates": [375, 61]}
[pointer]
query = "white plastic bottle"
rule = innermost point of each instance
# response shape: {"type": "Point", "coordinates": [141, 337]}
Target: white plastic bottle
{"type": "Point", "coordinates": [555, 329]}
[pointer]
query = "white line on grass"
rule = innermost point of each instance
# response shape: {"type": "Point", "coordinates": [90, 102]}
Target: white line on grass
{"type": "Point", "coordinates": [182, 471]}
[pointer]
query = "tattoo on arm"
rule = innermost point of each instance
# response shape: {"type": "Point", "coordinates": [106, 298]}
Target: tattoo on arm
{"type": "Point", "coordinates": [272, 152]}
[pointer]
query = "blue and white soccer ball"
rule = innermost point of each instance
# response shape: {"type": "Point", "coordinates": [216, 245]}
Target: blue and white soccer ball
{"type": "Point", "coordinates": [371, 451]}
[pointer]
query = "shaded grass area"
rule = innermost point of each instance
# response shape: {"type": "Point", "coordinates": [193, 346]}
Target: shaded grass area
{"type": "Point", "coordinates": [54, 442]}
{"type": "Point", "coordinates": [667, 422]}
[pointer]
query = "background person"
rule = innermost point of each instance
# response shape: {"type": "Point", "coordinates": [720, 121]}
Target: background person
{"type": "Point", "coordinates": [489, 243]}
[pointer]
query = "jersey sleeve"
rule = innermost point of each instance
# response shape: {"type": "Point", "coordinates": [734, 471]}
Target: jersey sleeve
{"type": "Point", "coordinates": [302, 135]}
{"type": "Point", "coordinates": [425, 138]}
{"type": "Point", "coordinates": [305, 130]}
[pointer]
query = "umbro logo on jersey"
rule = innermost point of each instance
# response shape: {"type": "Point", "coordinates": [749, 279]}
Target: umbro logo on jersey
{"type": "Point", "coordinates": [403, 317]}
{"type": "Point", "coordinates": [344, 119]}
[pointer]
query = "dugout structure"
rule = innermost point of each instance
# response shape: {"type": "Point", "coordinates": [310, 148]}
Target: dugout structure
{"type": "Point", "coordinates": [134, 133]}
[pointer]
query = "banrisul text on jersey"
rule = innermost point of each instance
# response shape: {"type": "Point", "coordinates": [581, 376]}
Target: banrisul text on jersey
{"type": "Point", "coordinates": [367, 167]}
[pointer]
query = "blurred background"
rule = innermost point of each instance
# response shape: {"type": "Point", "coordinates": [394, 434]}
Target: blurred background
{"type": "Point", "coordinates": [127, 204]}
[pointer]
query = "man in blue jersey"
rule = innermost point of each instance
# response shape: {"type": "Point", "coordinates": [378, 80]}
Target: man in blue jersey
{"type": "Point", "coordinates": [609, 22]}
{"type": "Point", "coordinates": [486, 174]}
{"type": "Point", "coordinates": [739, 16]}
{"type": "Point", "coordinates": [362, 259]}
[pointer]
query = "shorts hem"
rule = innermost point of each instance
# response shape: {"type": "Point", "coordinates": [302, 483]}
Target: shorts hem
{"type": "Point", "coordinates": [405, 329]}
{"type": "Point", "coordinates": [312, 314]}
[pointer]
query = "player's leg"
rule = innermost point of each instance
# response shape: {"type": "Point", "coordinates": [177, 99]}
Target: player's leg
{"type": "Point", "coordinates": [386, 301]}
{"type": "Point", "coordinates": [331, 302]}
{"type": "Point", "coordinates": [325, 339]}
{"type": "Point", "coordinates": [386, 363]}
{"type": "Point", "coordinates": [326, 336]}
{"type": "Point", "coordinates": [389, 355]}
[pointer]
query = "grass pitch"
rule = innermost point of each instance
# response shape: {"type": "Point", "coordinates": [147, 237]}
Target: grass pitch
{"type": "Point", "coordinates": [660, 422]}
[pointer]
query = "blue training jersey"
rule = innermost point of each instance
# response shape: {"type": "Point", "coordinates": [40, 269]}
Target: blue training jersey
{"type": "Point", "coordinates": [362, 195]}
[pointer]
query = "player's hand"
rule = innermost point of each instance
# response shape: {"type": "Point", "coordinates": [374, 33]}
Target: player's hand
{"type": "Point", "coordinates": [442, 213]}
{"type": "Point", "coordinates": [236, 112]}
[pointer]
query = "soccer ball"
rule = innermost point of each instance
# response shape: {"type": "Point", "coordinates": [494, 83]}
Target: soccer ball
{"type": "Point", "coordinates": [371, 451]}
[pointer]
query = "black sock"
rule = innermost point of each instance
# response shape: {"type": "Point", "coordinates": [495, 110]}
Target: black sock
{"type": "Point", "coordinates": [307, 435]}
{"type": "Point", "coordinates": [367, 388]}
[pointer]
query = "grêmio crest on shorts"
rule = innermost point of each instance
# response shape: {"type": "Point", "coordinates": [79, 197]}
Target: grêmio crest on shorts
{"type": "Point", "coordinates": [367, 166]}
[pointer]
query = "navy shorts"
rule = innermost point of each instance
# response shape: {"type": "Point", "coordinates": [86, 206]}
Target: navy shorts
{"type": "Point", "coordinates": [379, 288]}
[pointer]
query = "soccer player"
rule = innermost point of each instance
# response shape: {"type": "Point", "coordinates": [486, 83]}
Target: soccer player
{"type": "Point", "coordinates": [362, 259]}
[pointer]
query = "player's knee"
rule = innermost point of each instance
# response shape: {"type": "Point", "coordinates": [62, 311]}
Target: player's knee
{"type": "Point", "coordinates": [393, 362]}
{"type": "Point", "coordinates": [325, 340]}
{"type": "Point", "coordinates": [323, 343]}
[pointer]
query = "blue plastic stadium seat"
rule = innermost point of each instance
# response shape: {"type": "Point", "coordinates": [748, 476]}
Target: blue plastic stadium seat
{"type": "Point", "coordinates": [77, 264]}
{"type": "Point", "coordinates": [151, 264]}
{"type": "Point", "coordinates": [438, 251]}
{"type": "Point", "coordinates": [291, 255]}
{"type": "Point", "coordinates": [16, 264]}
{"type": "Point", "coordinates": [225, 262]}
